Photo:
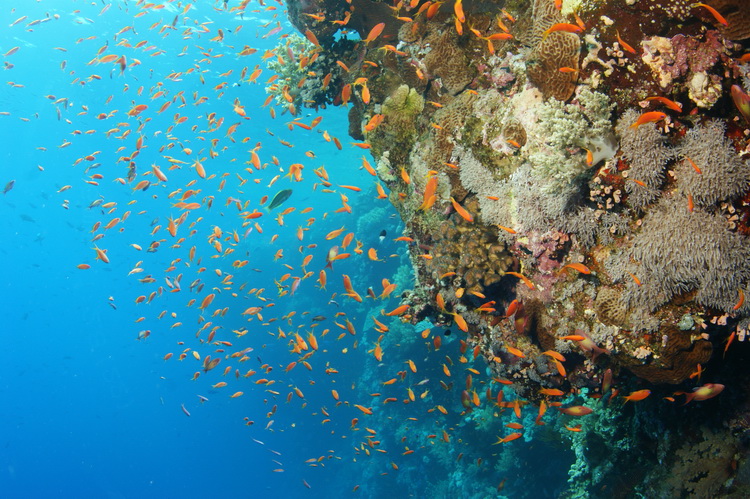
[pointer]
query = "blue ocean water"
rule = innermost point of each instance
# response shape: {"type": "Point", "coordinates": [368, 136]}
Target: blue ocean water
{"type": "Point", "coordinates": [88, 409]}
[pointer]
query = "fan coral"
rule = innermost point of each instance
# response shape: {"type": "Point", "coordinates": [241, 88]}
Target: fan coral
{"type": "Point", "coordinates": [676, 360]}
{"type": "Point", "coordinates": [701, 467]}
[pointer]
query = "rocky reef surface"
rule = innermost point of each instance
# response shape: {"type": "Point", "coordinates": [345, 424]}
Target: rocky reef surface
{"type": "Point", "coordinates": [574, 181]}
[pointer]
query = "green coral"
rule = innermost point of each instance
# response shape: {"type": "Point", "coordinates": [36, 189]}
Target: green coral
{"type": "Point", "coordinates": [403, 105]}
{"type": "Point", "coordinates": [602, 441]}
{"type": "Point", "coordinates": [699, 469]}
{"type": "Point", "coordinates": [562, 127]}
{"type": "Point", "coordinates": [398, 132]}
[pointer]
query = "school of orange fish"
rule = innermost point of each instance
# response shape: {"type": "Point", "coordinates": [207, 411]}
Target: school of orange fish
{"type": "Point", "coordinates": [221, 166]}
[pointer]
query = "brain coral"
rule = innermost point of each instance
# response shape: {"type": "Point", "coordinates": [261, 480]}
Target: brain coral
{"type": "Point", "coordinates": [558, 50]}
{"type": "Point", "coordinates": [447, 61]}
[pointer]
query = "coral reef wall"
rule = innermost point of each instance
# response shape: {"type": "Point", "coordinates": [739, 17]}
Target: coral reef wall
{"type": "Point", "coordinates": [573, 179]}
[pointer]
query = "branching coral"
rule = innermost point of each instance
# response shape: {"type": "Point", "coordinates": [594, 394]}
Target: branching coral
{"type": "Point", "coordinates": [290, 71]}
{"type": "Point", "coordinates": [701, 468]}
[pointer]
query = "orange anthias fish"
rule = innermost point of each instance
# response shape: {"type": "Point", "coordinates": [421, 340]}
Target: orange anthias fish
{"type": "Point", "coordinates": [705, 392]}
{"type": "Point", "coordinates": [578, 267]}
{"type": "Point", "coordinates": [674, 106]}
{"type": "Point", "coordinates": [567, 27]}
{"type": "Point", "coordinates": [715, 13]}
{"type": "Point", "coordinates": [649, 117]}
{"type": "Point", "coordinates": [509, 438]}
{"type": "Point", "coordinates": [374, 32]}
{"type": "Point", "coordinates": [576, 410]}
{"type": "Point", "coordinates": [462, 211]}
{"type": "Point", "coordinates": [637, 395]}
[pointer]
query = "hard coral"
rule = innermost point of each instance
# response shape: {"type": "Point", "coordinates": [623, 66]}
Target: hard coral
{"type": "Point", "coordinates": [447, 61]}
{"type": "Point", "coordinates": [737, 14]}
{"type": "Point", "coordinates": [556, 51]}
{"type": "Point", "coordinates": [478, 259]}
{"type": "Point", "coordinates": [687, 60]}
{"type": "Point", "coordinates": [676, 360]}
{"type": "Point", "coordinates": [551, 52]}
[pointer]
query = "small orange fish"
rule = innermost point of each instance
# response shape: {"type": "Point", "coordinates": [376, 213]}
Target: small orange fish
{"type": "Point", "coordinates": [692, 163]}
{"type": "Point", "coordinates": [567, 27]}
{"type": "Point", "coordinates": [364, 409]}
{"type": "Point", "coordinates": [458, 9]}
{"type": "Point", "coordinates": [637, 395]}
{"type": "Point", "coordinates": [674, 106]}
{"type": "Point", "coordinates": [624, 45]}
{"type": "Point", "coordinates": [462, 211]}
{"type": "Point", "coordinates": [525, 279]}
{"type": "Point", "coordinates": [461, 323]}
{"type": "Point", "coordinates": [515, 351]}
{"type": "Point", "coordinates": [740, 301]}
{"type": "Point", "coordinates": [398, 310]}
{"type": "Point", "coordinates": [576, 410]}
{"type": "Point", "coordinates": [649, 117]}
{"type": "Point", "coordinates": [552, 392]}
{"type": "Point", "coordinates": [509, 438]}
{"type": "Point", "coordinates": [374, 32]}
{"type": "Point", "coordinates": [512, 308]}
{"type": "Point", "coordinates": [573, 337]}
{"type": "Point", "coordinates": [637, 281]}
{"type": "Point", "coordinates": [579, 267]}
{"type": "Point", "coordinates": [705, 392]}
{"type": "Point", "coordinates": [555, 355]}
{"type": "Point", "coordinates": [312, 38]}
{"type": "Point", "coordinates": [715, 13]}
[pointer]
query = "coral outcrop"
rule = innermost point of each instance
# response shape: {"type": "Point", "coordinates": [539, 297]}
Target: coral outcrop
{"type": "Point", "coordinates": [574, 183]}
